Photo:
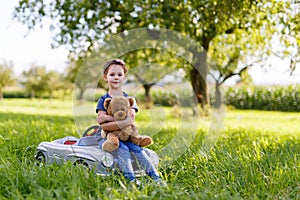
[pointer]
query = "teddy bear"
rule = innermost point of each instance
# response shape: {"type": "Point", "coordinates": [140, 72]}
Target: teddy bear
{"type": "Point", "coordinates": [118, 107]}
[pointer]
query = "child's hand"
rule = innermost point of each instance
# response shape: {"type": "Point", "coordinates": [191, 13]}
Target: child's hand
{"type": "Point", "coordinates": [101, 118]}
{"type": "Point", "coordinates": [130, 117]}
{"type": "Point", "coordinates": [131, 114]}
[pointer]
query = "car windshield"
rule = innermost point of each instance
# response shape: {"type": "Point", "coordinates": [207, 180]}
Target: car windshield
{"type": "Point", "coordinates": [88, 141]}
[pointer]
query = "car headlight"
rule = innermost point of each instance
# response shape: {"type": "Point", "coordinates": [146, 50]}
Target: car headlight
{"type": "Point", "coordinates": [107, 160]}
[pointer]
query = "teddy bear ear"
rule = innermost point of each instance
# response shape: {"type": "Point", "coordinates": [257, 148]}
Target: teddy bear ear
{"type": "Point", "coordinates": [131, 101]}
{"type": "Point", "coordinates": [106, 103]}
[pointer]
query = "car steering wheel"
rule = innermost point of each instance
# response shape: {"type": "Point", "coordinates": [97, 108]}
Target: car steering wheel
{"type": "Point", "coordinates": [92, 131]}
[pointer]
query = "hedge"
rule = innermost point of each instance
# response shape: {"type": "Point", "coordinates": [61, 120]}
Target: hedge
{"type": "Point", "coordinates": [15, 94]}
{"type": "Point", "coordinates": [278, 98]}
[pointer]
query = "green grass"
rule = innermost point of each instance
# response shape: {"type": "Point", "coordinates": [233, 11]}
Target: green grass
{"type": "Point", "coordinates": [255, 157]}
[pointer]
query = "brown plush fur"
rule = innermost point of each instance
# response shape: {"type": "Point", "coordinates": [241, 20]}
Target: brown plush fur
{"type": "Point", "coordinates": [118, 107]}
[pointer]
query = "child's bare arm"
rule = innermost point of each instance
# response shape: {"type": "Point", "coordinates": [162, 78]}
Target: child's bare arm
{"type": "Point", "coordinates": [111, 125]}
{"type": "Point", "coordinates": [103, 117]}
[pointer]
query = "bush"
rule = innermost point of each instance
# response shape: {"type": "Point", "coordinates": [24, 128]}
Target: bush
{"type": "Point", "coordinates": [167, 99]}
{"type": "Point", "coordinates": [278, 98]}
{"type": "Point", "coordinates": [15, 94]}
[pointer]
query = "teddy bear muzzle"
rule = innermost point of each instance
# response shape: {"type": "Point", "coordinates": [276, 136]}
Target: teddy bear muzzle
{"type": "Point", "coordinates": [120, 115]}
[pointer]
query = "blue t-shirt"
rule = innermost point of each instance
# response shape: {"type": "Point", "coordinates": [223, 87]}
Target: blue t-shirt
{"type": "Point", "coordinates": [100, 104]}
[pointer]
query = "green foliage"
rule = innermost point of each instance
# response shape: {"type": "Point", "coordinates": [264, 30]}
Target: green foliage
{"type": "Point", "coordinates": [6, 76]}
{"type": "Point", "coordinates": [38, 81]}
{"type": "Point", "coordinates": [15, 94]}
{"type": "Point", "coordinates": [35, 80]}
{"type": "Point", "coordinates": [282, 98]}
{"type": "Point", "coordinates": [20, 93]}
{"type": "Point", "coordinates": [54, 82]}
{"type": "Point", "coordinates": [81, 24]}
{"type": "Point", "coordinates": [168, 99]}
{"type": "Point", "coordinates": [251, 159]}
{"type": "Point", "coordinates": [288, 33]}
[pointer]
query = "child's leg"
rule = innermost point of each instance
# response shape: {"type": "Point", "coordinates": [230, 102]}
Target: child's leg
{"type": "Point", "coordinates": [143, 160]}
{"type": "Point", "coordinates": [124, 159]}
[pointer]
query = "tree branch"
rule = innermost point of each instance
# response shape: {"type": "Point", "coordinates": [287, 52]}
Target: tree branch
{"type": "Point", "coordinates": [139, 78]}
{"type": "Point", "coordinates": [231, 74]}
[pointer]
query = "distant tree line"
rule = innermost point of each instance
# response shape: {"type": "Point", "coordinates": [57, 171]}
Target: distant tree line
{"type": "Point", "coordinates": [35, 82]}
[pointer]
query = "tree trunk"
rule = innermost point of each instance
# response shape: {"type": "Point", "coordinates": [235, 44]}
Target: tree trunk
{"type": "Point", "coordinates": [64, 92]}
{"type": "Point", "coordinates": [50, 95]}
{"type": "Point", "coordinates": [81, 91]}
{"type": "Point", "coordinates": [218, 101]}
{"type": "Point", "coordinates": [198, 79]}
{"type": "Point", "coordinates": [1, 95]}
{"type": "Point", "coordinates": [148, 99]}
{"type": "Point", "coordinates": [32, 94]}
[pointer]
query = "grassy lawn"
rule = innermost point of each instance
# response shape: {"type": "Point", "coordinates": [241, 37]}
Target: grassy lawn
{"type": "Point", "coordinates": [256, 156]}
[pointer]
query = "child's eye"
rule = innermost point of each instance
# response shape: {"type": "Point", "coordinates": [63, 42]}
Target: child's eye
{"type": "Point", "coordinates": [120, 74]}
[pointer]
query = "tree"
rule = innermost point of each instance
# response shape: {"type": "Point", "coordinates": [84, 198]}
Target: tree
{"type": "Point", "coordinates": [6, 76]}
{"type": "Point", "coordinates": [72, 75]}
{"type": "Point", "coordinates": [54, 82]}
{"type": "Point", "coordinates": [77, 24]}
{"type": "Point", "coordinates": [85, 72]}
{"type": "Point", "coordinates": [231, 56]}
{"type": "Point", "coordinates": [35, 80]}
{"type": "Point", "coordinates": [148, 67]}
{"type": "Point", "coordinates": [287, 20]}
{"type": "Point", "coordinates": [66, 86]}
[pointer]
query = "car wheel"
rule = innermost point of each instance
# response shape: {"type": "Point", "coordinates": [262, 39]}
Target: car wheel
{"type": "Point", "coordinates": [82, 163]}
{"type": "Point", "coordinates": [40, 158]}
{"type": "Point", "coordinates": [91, 131]}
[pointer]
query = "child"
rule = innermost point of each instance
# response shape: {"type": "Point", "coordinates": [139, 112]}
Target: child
{"type": "Point", "coordinates": [114, 74]}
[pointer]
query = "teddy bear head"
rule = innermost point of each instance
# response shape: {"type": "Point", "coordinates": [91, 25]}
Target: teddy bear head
{"type": "Point", "coordinates": [118, 107]}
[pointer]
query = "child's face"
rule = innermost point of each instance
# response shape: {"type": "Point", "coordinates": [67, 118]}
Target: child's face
{"type": "Point", "coordinates": [115, 76]}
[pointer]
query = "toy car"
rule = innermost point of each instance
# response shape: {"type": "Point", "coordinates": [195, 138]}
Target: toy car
{"type": "Point", "coordinates": [86, 152]}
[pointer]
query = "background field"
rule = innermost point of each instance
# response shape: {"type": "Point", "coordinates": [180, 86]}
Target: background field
{"type": "Point", "coordinates": [256, 156]}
